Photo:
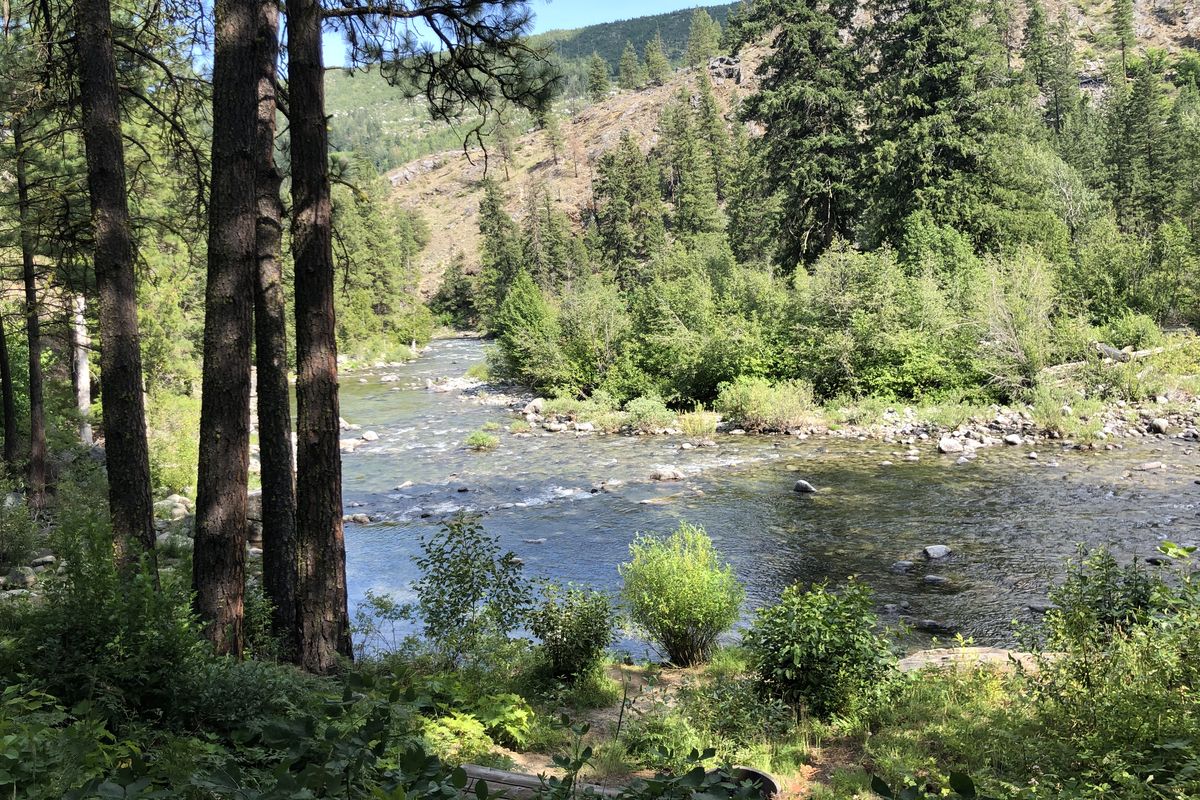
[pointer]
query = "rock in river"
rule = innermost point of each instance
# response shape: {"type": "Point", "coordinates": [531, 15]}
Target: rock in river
{"type": "Point", "coordinates": [937, 551]}
{"type": "Point", "coordinates": [804, 487]}
{"type": "Point", "coordinates": [949, 445]}
{"type": "Point", "coordinates": [666, 474]}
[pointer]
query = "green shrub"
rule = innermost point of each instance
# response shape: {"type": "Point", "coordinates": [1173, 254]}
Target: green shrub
{"type": "Point", "coordinates": [734, 716]}
{"type": "Point", "coordinates": [1017, 323]}
{"type": "Point", "coordinates": [1138, 331]}
{"type": "Point", "coordinates": [481, 440]}
{"type": "Point", "coordinates": [480, 371]}
{"type": "Point", "coordinates": [698, 424]}
{"type": "Point", "coordinates": [469, 591]}
{"type": "Point", "coordinates": [457, 738]}
{"type": "Point", "coordinates": [506, 717]}
{"type": "Point", "coordinates": [818, 649]}
{"type": "Point", "coordinates": [648, 414]}
{"type": "Point", "coordinates": [679, 594]}
{"type": "Point", "coordinates": [17, 531]}
{"type": "Point", "coordinates": [575, 627]}
{"type": "Point", "coordinates": [173, 436]}
{"type": "Point", "coordinates": [757, 405]}
{"type": "Point", "coordinates": [661, 739]}
{"type": "Point", "coordinates": [519, 426]}
{"type": "Point", "coordinates": [1100, 598]}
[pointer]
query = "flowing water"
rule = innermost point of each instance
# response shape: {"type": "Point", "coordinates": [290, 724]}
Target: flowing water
{"type": "Point", "coordinates": [1011, 521]}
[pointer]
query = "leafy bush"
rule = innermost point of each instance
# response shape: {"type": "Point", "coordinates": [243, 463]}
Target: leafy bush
{"type": "Point", "coordinates": [734, 716]}
{"type": "Point", "coordinates": [457, 738]}
{"type": "Point", "coordinates": [481, 440]}
{"type": "Point", "coordinates": [819, 649]}
{"type": "Point", "coordinates": [698, 424]}
{"type": "Point", "coordinates": [575, 627]}
{"type": "Point", "coordinates": [648, 414]}
{"type": "Point", "coordinates": [173, 436]}
{"type": "Point", "coordinates": [1017, 323]}
{"type": "Point", "coordinates": [1138, 331]}
{"type": "Point", "coordinates": [506, 717]}
{"type": "Point", "coordinates": [480, 371]}
{"type": "Point", "coordinates": [679, 593]}
{"type": "Point", "coordinates": [1100, 598]}
{"type": "Point", "coordinates": [661, 739]}
{"type": "Point", "coordinates": [469, 591]}
{"type": "Point", "coordinates": [757, 405]}
{"type": "Point", "coordinates": [17, 531]}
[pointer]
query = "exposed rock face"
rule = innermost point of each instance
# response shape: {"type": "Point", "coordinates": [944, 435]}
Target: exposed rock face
{"type": "Point", "coordinates": [725, 68]}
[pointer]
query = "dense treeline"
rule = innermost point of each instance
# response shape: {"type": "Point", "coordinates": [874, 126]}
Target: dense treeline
{"type": "Point", "coordinates": [933, 206]}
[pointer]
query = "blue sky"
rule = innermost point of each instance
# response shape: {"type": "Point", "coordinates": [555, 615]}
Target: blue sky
{"type": "Point", "coordinates": [554, 14]}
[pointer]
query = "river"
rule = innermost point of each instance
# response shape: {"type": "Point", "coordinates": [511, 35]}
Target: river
{"type": "Point", "coordinates": [1010, 521]}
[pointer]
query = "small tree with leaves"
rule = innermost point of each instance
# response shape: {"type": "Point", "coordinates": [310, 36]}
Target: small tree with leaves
{"type": "Point", "coordinates": [629, 71]}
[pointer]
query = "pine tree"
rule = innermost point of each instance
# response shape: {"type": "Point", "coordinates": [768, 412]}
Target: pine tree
{"type": "Point", "coordinates": [753, 209]}
{"type": "Point", "coordinates": [691, 180]}
{"type": "Point", "coordinates": [935, 114]}
{"type": "Point", "coordinates": [1122, 29]}
{"type": "Point", "coordinates": [1036, 50]}
{"type": "Point", "coordinates": [704, 38]}
{"type": "Point", "coordinates": [715, 135]}
{"type": "Point", "coordinates": [552, 127]}
{"type": "Point", "coordinates": [629, 208]}
{"type": "Point", "coordinates": [629, 72]}
{"type": "Point", "coordinates": [1151, 184]}
{"type": "Point", "coordinates": [597, 78]}
{"type": "Point", "coordinates": [1061, 85]}
{"type": "Point", "coordinates": [658, 68]}
{"type": "Point", "coordinates": [499, 253]}
{"type": "Point", "coordinates": [808, 103]}
{"type": "Point", "coordinates": [1003, 19]}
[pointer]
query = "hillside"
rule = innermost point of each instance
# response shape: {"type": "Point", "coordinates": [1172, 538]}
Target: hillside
{"type": "Point", "coordinates": [376, 120]}
{"type": "Point", "coordinates": [608, 39]}
{"type": "Point", "coordinates": [445, 189]}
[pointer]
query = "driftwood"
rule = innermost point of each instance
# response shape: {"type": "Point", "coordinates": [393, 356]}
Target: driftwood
{"type": "Point", "coordinates": [1114, 355]}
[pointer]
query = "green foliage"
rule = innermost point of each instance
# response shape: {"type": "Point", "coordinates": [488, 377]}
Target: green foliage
{"type": "Point", "coordinates": [575, 626]}
{"type": "Point", "coordinates": [818, 649]}
{"type": "Point", "coordinates": [648, 414]}
{"type": "Point", "coordinates": [630, 74]}
{"type": "Point", "coordinates": [173, 435]}
{"type": "Point", "coordinates": [482, 440]}
{"type": "Point", "coordinates": [677, 591]}
{"type": "Point", "coordinates": [17, 531]}
{"type": "Point", "coordinates": [1017, 321]}
{"type": "Point", "coordinates": [704, 38]}
{"type": "Point", "coordinates": [1132, 330]}
{"type": "Point", "coordinates": [469, 592]}
{"type": "Point", "coordinates": [527, 329]}
{"type": "Point", "coordinates": [597, 86]}
{"type": "Point", "coordinates": [698, 424]}
{"type": "Point", "coordinates": [733, 716]}
{"type": "Point", "coordinates": [454, 300]}
{"type": "Point", "coordinates": [658, 68]}
{"type": "Point", "coordinates": [757, 405]}
{"type": "Point", "coordinates": [457, 738]}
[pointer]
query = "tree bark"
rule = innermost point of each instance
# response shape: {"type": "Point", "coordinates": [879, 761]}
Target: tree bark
{"type": "Point", "coordinates": [81, 371]}
{"type": "Point", "coordinates": [120, 357]}
{"type": "Point", "coordinates": [323, 623]}
{"type": "Point", "coordinates": [7, 406]}
{"type": "Point", "coordinates": [36, 470]}
{"type": "Point", "coordinates": [270, 329]}
{"type": "Point", "coordinates": [219, 555]}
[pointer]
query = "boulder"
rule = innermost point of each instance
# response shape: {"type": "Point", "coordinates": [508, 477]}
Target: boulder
{"type": "Point", "coordinates": [349, 445]}
{"type": "Point", "coordinates": [43, 561]}
{"type": "Point", "coordinates": [1159, 425]}
{"type": "Point", "coordinates": [254, 506]}
{"type": "Point", "coordinates": [357, 519]}
{"type": "Point", "coordinates": [21, 578]}
{"type": "Point", "coordinates": [937, 551]}
{"type": "Point", "coordinates": [804, 487]}
{"type": "Point", "coordinates": [173, 541]}
{"type": "Point", "coordinates": [666, 474]}
{"type": "Point", "coordinates": [950, 445]}
{"type": "Point", "coordinates": [936, 580]}
{"type": "Point", "coordinates": [585, 427]}
{"type": "Point", "coordinates": [1013, 439]}
{"type": "Point", "coordinates": [534, 406]}
{"type": "Point", "coordinates": [370, 436]}
{"type": "Point", "coordinates": [389, 378]}
{"type": "Point", "coordinates": [901, 566]}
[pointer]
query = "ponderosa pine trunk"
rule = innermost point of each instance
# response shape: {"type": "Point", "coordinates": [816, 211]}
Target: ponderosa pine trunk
{"type": "Point", "coordinates": [81, 371]}
{"type": "Point", "coordinates": [36, 468]}
{"type": "Point", "coordinates": [270, 331]}
{"type": "Point", "coordinates": [323, 621]}
{"type": "Point", "coordinates": [7, 405]}
{"type": "Point", "coordinates": [219, 555]}
{"type": "Point", "coordinates": [126, 453]}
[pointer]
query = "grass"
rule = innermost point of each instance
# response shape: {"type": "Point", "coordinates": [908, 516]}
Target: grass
{"type": "Point", "coordinates": [519, 426]}
{"type": "Point", "coordinates": [698, 424]}
{"type": "Point", "coordinates": [480, 441]}
{"type": "Point", "coordinates": [480, 371]}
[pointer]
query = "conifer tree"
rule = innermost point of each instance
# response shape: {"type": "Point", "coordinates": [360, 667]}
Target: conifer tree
{"type": "Point", "coordinates": [1122, 29]}
{"type": "Point", "coordinates": [1061, 85]}
{"type": "Point", "coordinates": [629, 208]}
{"type": "Point", "coordinates": [935, 114]}
{"type": "Point", "coordinates": [500, 252]}
{"type": "Point", "coordinates": [552, 127]}
{"type": "Point", "coordinates": [658, 68]}
{"type": "Point", "coordinates": [808, 103]}
{"type": "Point", "coordinates": [597, 78]}
{"type": "Point", "coordinates": [714, 134]}
{"type": "Point", "coordinates": [629, 72]}
{"type": "Point", "coordinates": [704, 38]}
{"type": "Point", "coordinates": [1035, 48]}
